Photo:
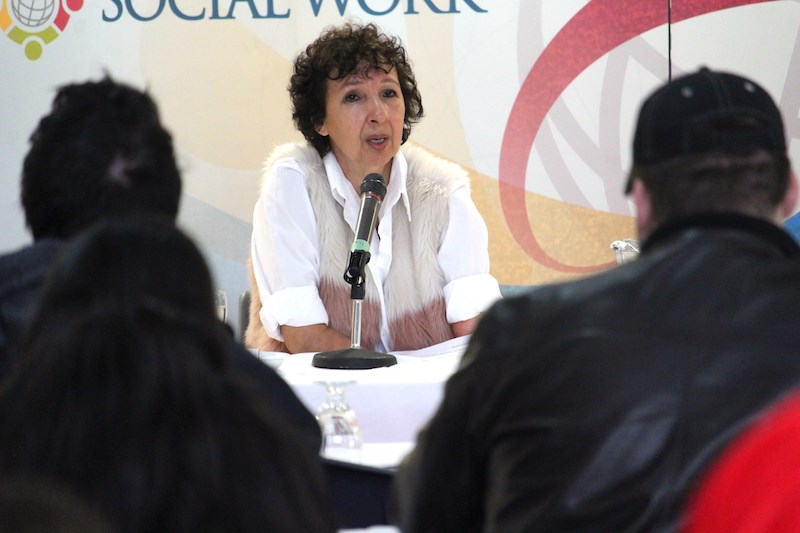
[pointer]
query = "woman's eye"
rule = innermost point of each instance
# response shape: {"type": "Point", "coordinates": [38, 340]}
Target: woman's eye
{"type": "Point", "coordinates": [389, 93]}
{"type": "Point", "coordinates": [350, 98]}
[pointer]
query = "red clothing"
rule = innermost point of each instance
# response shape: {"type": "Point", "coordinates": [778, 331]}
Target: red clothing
{"type": "Point", "coordinates": [755, 486]}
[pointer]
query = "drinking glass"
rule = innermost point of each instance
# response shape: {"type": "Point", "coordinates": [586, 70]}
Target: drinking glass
{"type": "Point", "coordinates": [221, 303]}
{"type": "Point", "coordinates": [341, 435]}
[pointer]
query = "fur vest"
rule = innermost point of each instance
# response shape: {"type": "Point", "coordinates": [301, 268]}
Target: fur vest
{"type": "Point", "coordinates": [413, 289]}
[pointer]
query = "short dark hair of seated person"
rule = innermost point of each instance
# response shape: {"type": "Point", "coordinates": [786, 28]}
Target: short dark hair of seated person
{"type": "Point", "coordinates": [126, 391]}
{"type": "Point", "coordinates": [596, 404]}
{"type": "Point", "coordinates": [37, 505]}
{"type": "Point", "coordinates": [101, 151]}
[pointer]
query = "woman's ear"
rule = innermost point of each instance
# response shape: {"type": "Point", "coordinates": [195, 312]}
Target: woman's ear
{"type": "Point", "coordinates": [322, 129]}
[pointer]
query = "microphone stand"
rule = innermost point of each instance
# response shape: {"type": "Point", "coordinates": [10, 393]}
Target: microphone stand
{"type": "Point", "coordinates": [354, 357]}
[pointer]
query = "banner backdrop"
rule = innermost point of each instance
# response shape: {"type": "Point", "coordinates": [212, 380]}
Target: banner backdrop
{"type": "Point", "coordinates": [536, 98]}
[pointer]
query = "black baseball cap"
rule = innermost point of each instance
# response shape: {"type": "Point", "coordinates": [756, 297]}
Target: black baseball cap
{"type": "Point", "coordinates": [706, 112]}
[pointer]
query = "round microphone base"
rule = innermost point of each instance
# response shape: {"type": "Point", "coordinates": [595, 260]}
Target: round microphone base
{"type": "Point", "coordinates": [353, 359]}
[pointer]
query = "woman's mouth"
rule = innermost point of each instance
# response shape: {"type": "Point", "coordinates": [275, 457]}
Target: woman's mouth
{"type": "Point", "coordinates": [377, 141]}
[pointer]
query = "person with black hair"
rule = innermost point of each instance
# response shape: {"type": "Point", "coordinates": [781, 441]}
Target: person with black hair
{"type": "Point", "coordinates": [33, 504]}
{"type": "Point", "coordinates": [100, 152]}
{"type": "Point", "coordinates": [597, 404]}
{"type": "Point", "coordinates": [127, 392]}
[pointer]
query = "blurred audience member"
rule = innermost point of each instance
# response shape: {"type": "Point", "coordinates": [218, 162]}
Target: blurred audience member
{"type": "Point", "coordinates": [755, 486]}
{"type": "Point", "coordinates": [125, 390]}
{"type": "Point", "coordinates": [100, 152]}
{"type": "Point", "coordinates": [34, 505]}
{"type": "Point", "coordinates": [595, 405]}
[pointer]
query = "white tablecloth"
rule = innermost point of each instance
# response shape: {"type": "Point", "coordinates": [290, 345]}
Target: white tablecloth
{"type": "Point", "coordinates": [392, 403]}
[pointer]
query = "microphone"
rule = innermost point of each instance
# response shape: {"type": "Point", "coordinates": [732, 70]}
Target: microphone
{"type": "Point", "coordinates": [373, 190]}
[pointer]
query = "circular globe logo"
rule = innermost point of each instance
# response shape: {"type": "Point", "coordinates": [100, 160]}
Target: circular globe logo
{"type": "Point", "coordinates": [36, 23]}
{"type": "Point", "coordinates": [33, 13]}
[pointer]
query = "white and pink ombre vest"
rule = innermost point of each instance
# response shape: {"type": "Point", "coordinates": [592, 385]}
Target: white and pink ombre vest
{"type": "Point", "coordinates": [413, 289]}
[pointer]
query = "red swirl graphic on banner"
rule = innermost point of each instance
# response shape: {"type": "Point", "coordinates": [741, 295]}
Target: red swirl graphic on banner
{"type": "Point", "coordinates": [598, 28]}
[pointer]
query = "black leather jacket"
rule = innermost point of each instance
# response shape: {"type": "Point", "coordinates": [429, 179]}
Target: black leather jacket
{"type": "Point", "coordinates": [595, 405]}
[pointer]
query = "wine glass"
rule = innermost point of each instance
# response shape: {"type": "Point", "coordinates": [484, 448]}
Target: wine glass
{"type": "Point", "coordinates": [221, 304]}
{"type": "Point", "coordinates": [341, 435]}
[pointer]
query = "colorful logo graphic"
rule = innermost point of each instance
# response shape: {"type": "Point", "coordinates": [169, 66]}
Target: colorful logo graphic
{"type": "Point", "coordinates": [35, 23]}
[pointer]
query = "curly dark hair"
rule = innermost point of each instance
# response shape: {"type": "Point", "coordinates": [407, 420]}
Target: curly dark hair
{"type": "Point", "coordinates": [342, 51]}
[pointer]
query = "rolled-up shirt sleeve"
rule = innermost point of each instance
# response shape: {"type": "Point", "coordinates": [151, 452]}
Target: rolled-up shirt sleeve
{"type": "Point", "coordinates": [464, 258]}
{"type": "Point", "coordinates": [285, 252]}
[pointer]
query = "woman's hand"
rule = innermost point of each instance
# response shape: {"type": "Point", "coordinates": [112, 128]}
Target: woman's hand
{"type": "Point", "coordinates": [465, 327]}
{"type": "Point", "coordinates": [314, 338]}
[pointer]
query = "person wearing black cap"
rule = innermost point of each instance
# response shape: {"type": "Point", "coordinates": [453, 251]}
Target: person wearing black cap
{"type": "Point", "coordinates": [597, 404]}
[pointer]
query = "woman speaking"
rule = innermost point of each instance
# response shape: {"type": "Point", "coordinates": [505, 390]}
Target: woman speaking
{"type": "Point", "coordinates": [355, 99]}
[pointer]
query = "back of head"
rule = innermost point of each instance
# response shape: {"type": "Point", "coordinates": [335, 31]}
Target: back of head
{"type": "Point", "coordinates": [710, 142]}
{"type": "Point", "coordinates": [130, 397]}
{"type": "Point", "coordinates": [125, 263]}
{"type": "Point", "coordinates": [36, 505]}
{"type": "Point", "coordinates": [100, 152]}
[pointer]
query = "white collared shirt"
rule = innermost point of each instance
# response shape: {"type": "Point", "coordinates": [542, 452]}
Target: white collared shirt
{"type": "Point", "coordinates": [285, 248]}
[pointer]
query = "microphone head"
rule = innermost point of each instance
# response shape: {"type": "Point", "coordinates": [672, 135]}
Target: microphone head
{"type": "Point", "coordinates": [374, 184]}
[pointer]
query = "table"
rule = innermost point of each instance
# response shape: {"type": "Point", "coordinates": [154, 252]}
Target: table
{"type": "Point", "coordinates": [392, 404]}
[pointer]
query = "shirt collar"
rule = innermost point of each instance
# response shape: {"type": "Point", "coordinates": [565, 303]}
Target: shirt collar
{"type": "Point", "coordinates": [341, 189]}
{"type": "Point", "coordinates": [397, 189]}
{"type": "Point", "coordinates": [348, 197]}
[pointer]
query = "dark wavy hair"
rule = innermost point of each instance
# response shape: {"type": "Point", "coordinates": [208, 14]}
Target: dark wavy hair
{"type": "Point", "coordinates": [101, 151]}
{"type": "Point", "coordinates": [125, 392]}
{"type": "Point", "coordinates": [342, 51]}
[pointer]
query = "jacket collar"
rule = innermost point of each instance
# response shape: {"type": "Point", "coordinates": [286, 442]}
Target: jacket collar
{"type": "Point", "coordinates": [763, 229]}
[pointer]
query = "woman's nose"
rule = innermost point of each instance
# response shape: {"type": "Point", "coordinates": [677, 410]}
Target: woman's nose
{"type": "Point", "coordinates": [377, 110]}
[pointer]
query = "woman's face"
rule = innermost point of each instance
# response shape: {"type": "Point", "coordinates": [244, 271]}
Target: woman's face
{"type": "Point", "coordinates": [364, 122]}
